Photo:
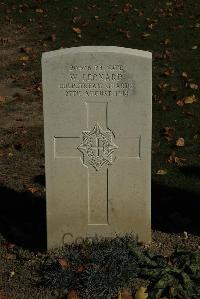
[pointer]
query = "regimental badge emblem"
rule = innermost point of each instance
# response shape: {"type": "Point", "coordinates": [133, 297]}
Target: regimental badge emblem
{"type": "Point", "coordinates": [97, 147]}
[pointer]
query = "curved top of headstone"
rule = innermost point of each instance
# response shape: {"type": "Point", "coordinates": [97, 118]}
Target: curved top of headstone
{"type": "Point", "coordinates": [97, 49]}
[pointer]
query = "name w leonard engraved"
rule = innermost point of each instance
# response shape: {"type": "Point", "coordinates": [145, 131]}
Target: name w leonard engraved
{"type": "Point", "coordinates": [97, 80]}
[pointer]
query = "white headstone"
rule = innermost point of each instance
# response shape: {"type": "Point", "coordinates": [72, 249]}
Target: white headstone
{"type": "Point", "coordinates": [97, 120]}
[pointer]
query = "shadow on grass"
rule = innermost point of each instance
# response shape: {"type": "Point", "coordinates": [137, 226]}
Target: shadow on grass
{"type": "Point", "coordinates": [23, 215]}
{"type": "Point", "coordinates": [175, 210]}
{"type": "Point", "coordinates": [40, 179]}
{"type": "Point", "coordinates": [23, 219]}
{"type": "Point", "coordinates": [191, 171]}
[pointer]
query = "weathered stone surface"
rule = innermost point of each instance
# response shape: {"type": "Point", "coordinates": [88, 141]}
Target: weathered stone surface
{"type": "Point", "coordinates": [97, 119]}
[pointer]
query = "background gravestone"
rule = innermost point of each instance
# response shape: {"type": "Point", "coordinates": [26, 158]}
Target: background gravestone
{"type": "Point", "coordinates": [97, 120]}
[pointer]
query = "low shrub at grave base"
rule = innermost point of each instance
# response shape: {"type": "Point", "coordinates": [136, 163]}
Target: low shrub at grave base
{"type": "Point", "coordinates": [102, 268]}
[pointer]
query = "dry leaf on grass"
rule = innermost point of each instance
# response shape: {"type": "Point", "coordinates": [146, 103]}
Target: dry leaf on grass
{"type": "Point", "coordinates": [3, 295]}
{"type": "Point", "coordinates": [194, 86]}
{"type": "Point", "coordinates": [125, 32]}
{"type": "Point", "coordinates": [141, 293]}
{"type": "Point", "coordinates": [77, 30]}
{"type": "Point", "coordinates": [168, 133]}
{"type": "Point", "coordinates": [184, 75]}
{"type": "Point", "coordinates": [167, 41]}
{"type": "Point", "coordinates": [179, 161]}
{"type": "Point", "coordinates": [161, 172]}
{"type": "Point", "coordinates": [82, 268]}
{"type": "Point", "coordinates": [64, 264]}
{"type": "Point", "coordinates": [10, 256]}
{"type": "Point", "coordinates": [189, 113]}
{"type": "Point", "coordinates": [185, 234]}
{"type": "Point", "coordinates": [145, 35]}
{"type": "Point", "coordinates": [76, 19]}
{"type": "Point", "coordinates": [72, 295]}
{"type": "Point", "coordinates": [162, 85]}
{"type": "Point", "coordinates": [173, 159]}
{"type": "Point", "coordinates": [190, 100]}
{"type": "Point", "coordinates": [24, 58]}
{"type": "Point", "coordinates": [39, 10]}
{"type": "Point", "coordinates": [2, 99]}
{"type": "Point", "coordinates": [127, 7]}
{"type": "Point", "coordinates": [173, 89]}
{"type": "Point", "coordinates": [125, 294]}
{"type": "Point", "coordinates": [168, 72]}
{"type": "Point", "coordinates": [180, 142]}
{"type": "Point", "coordinates": [2, 153]}
{"type": "Point", "coordinates": [33, 189]}
{"type": "Point", "coordinates": [128, 34]}
{"type": "Point", "coordinates": [180, 103]}
{"type": "Point", "coordinates": [53, 37]}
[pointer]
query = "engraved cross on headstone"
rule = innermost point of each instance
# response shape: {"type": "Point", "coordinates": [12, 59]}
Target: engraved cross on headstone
{"type": "Point", "coordinates": [100, 147]}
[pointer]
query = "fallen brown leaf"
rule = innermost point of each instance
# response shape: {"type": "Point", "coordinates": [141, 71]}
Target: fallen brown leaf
{"type": "Point", "coordinates": [145, 35]}
{"type": "Point", "coordinates": [167, 41]}
{"type": "Point", "coordinates": [173, 89]}
{"type": "Point", "coordinates": [125, 32]}
{"type": "Point", "coordinates": [3, 295]}
{"type": "Point", "coordinates": [168, 72]}
{"type": "Point", "coordinates": [127, 7]}
{"type": "Point", "coordinates": [157, 55]}
{"type": "Point", "coordinates": [162, 85]}
{"type": "Point", "coordinates": [141, 293]}
{"type": "Point", "coordinates": [180, 103]}
{"type": "Point", "coordinates": [167, 54]}
{"type": "Point", "coordinates": [151, 26]}
{"type": "Point", "coordinates": [128, 34]}
{"type": "Point", "coordinates": [166, 108]}
{"type": "Point", "coordinates": [64, 264]}
{"type": "Point", "coordinates": [24, 58]}
{"type": "Point", "coordinates": [72, 295]}
{"type": "Point", "coordinates": [125, 294]}
{"type": "Point", "coordinates": [168, 133]}
{"type": "Point", "coordinates": [33, 189]}
{"type": "Point", "coordinates": [2, 99]}
{"type": "Point", "coordinates": [76, 19]}
{"type": "Point", "coordinates": [180, 142]}
{"type": "Point", "coordinates": [184, 76]}
{"type": "Point", "coordinates": [10, 256]}
{"type": "Point", "coordinates": [194, 86]}
{"type": "Point", "coordinates": [189, 113]}
{"type": "Point", "coordinates": [173, 159]}
{"type": "Point", "coordinates": [77, 30]}
{"type": "Point", "coordinates": [8, 245]}
{"type": "Point", "coordinates": [53, 37]}
{"type": "Point", "coordinates": [190, 99]}
{"type": "Point", "coordinates": [81, 269]}
{"type": "Point", "coordinates": [179, 161]}
{"type": "Point", "coordinates": [161, 172]}
{"type": "Point", "coordinates": [39, 10]}
{"type": "Point", "coordinates": [3, 153]}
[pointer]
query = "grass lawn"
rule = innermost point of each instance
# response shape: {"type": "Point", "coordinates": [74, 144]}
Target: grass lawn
{"type": "Point", "coordinates": [171, 31]}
